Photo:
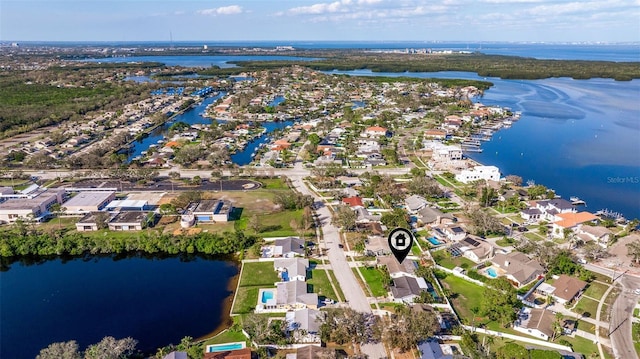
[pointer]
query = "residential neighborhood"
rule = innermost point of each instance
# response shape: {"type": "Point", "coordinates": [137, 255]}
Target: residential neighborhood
{"type": "Point", "coordinates": [297, 177]}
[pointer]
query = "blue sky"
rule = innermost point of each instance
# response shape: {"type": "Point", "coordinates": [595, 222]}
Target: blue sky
{"type": "Point", "coordinates": [359, 20]}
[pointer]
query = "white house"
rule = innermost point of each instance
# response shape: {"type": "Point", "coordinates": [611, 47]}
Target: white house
{"type": "Point", "coordinates": [305, 325]}
{"type": "Point", "coordinates": [535, 322]}
{"type": "Point", "coordinates": [487, 173]}
{"type": "Point", "coordinates": [291, 268]}
{"type": "Point", "coordinates": [375, 131]}
{"type": "Point", "coordinates": [599, 234]}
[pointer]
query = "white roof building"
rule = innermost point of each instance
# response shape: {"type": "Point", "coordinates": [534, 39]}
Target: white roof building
{"type": "Point", "coordinates": [487, 173]}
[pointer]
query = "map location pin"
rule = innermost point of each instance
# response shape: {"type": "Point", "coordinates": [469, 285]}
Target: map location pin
{"type": "Point", "coordinates": [400, 242]}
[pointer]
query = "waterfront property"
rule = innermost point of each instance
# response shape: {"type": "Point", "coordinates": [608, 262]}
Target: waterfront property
{"type": "Point", "coordinates": [286, 296]}
{"type": "Point", "coordinates": [487, 173]}
{"type": "Point", "coordinates": [571, 221]}
{"type": "Point", "coordinates": [93, 221]}
{"type": "Point", "coordinates": [131, 221]}
{"type": "Point", "coordinates": [214, 348]}
{"type": "Point", "coordinates": [213, 211]}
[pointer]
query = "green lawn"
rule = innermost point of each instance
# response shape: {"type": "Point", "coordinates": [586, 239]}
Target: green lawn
{"type": "Point", "coordinates": [505, 242]}
{"type": "Point", "coordinates": [258, 274]}
{"type": "Point", "coordinates": [227, 336]}
{"type": "Point", "coordinates": [335, 282]}
{"type": "Point", "coordinates": [273, 183]}
{"type": "Point", "coordinates": [533, 236]}
{"type": "Point", "coordinates": [444, 259]}
{"type": "Point", "coordinates": [596, 290]}
{"type": "Point", "coordinates": [318, 282]}
{"type": "Point", "coordinates": [255, 275]}
{"type": "Point", "coordinates": [279, 224]}
{"type": "Point", "coordinates": [466, 296]}
{"type": "Point", "coordinates": [245, 300]}
{"type": "Point", "coordinates": [374, 278]}
{"type": "Point", "coordinates": [580, 345]}
{"type": "Point", "coordinates": [588, 306]}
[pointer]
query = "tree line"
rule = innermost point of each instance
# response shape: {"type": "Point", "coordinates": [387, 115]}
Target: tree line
{"type": "Point", "coordinates": [21, 242]}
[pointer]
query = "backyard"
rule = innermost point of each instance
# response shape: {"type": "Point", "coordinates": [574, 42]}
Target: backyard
{"type": "Point", "coordinates": [255, 275]}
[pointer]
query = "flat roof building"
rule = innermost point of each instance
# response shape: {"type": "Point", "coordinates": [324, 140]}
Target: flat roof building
{"type": "Point", "coordinates": [211, 210]}
{"type": "Point", "coordinates": [85, 202]}
{"type": "Point", "coordinates": [130, 221]}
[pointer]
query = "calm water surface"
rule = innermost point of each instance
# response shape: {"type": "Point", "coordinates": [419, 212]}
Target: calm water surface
{"type": "Point", "coordinates": [156, 301]}
{"type": "Point", "coordinates": [222, 61]}
{"type": "Point", "coordinates": [579, 137]}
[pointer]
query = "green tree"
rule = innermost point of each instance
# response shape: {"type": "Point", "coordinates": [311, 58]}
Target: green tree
{"type": "Point", "coordinates": [62, 350]}
{"type": "Point", "coordinates": [396, 218]}
{"type": "Point", "coordinates": [344, 217]}
{"type": "Point", "coordinates": [111, 348]}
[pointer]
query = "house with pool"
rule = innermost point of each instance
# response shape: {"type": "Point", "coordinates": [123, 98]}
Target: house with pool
{"type": "Point", "coordinates": [286, 296]}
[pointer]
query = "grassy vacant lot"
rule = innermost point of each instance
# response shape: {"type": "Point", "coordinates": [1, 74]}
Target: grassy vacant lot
{"type": "Point", "coordinates": [587, 306]}
{"type": "Point", "coordinates": [258, 274]}
{"type": "Point", "coordinates": [374, 278]}
{"type": "Point", "coordinates": [318, 282]}
{"type": "Point", "coordinates": [255, 275]}
{"type": "Point", "coordinates": [465, 295]}
{"type": "Point", "coordinates": [596, 290]}
{"type": "Point", "coordinates": [444, 259]}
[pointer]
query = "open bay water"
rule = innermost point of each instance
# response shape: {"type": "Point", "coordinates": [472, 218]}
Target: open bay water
{"type": "Point", "coordinates": [157, 302]}
{"type": "Point", "coordinates": [222, 61]}
{"type": "Point", "coordinates": [578, 137]}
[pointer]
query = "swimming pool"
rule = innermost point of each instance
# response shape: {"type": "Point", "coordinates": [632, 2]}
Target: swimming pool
{"type": "Point", "coordinates": [434, 241]}
{"type": "Point", "coordinates": [266, 295]}
{"type": "Point", "coordinates": [492, 273]}
{"type": "Point", "coordinates": [225, 347]}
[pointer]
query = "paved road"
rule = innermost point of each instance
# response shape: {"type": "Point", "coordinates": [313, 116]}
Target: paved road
{"type": "Point", "coordinates": [298, 171]}
{"type": "Point", "coordinates": [347, 280]}
{"type": "Point", "coordinates": [621, 312]}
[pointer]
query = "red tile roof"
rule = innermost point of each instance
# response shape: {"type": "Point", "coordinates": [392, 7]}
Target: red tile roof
{"type": "Point", "coordinates": [353, 201]}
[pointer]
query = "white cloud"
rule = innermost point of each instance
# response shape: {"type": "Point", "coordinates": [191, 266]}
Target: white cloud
{"type": "Point", "coordinates": [321, 8]}
{"type": "Point", "coordinates": [224, 10]}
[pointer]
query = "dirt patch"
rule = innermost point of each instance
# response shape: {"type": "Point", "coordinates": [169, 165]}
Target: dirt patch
{"type": "Point", "coordinates": [619, 257]}
{"type": "Point", "coordinates": [186, 231]}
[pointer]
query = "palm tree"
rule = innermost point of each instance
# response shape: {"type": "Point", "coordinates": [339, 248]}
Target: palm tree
{"type": "Point", "coordinates": [58, 210]}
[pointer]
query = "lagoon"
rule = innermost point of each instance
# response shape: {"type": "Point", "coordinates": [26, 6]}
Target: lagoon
{"type": "Point", "coordinates": [155, 301]}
